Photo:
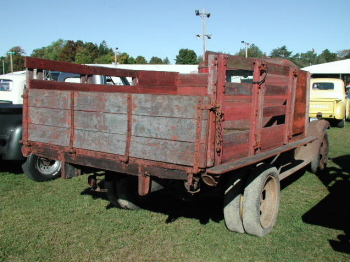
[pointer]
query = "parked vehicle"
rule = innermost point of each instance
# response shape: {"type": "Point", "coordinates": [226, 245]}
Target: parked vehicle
{"type": "Point", "coordinates": [202, 134]}
{"type": "Point", "coordinates": [328, 100]}
{"type": "Point", "coordinates": [11, 90]}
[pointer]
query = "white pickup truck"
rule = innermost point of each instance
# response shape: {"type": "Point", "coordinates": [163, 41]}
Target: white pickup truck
{"type": "Point", "coordinates": [11, 102]}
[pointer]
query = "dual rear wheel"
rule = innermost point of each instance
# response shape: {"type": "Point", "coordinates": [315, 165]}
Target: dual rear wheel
{"type": "Point", "coordinates": [252, 206]}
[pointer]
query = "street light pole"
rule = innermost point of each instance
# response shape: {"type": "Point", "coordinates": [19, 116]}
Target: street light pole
{"type": "Point", "coordinates": [115, 55]}
{"type": "Point", "coordinates": [11, 53]}
{"type": "Point", "coordinates": [204, 16]}
{"type": "Point", "coordinates": [246, 48]}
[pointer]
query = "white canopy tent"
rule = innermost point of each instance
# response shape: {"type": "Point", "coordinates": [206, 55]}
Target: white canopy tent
{"type": "Point", "coordinates": [338, 69]}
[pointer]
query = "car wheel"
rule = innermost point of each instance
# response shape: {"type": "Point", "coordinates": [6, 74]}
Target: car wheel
{"type": "Point", "coordinates": [41, 169]}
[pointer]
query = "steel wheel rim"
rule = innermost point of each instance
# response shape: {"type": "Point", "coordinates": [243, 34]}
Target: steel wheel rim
{"type": "Point", "coordinates": [47, 166]}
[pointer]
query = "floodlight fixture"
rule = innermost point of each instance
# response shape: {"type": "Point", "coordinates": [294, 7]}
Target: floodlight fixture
{"type": "Point", "coordinates": [203, 15]}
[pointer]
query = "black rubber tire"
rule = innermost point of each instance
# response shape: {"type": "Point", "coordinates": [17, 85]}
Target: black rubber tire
{"type": "Point", "coordinates": [122, 191]}
{"type": "Point", "coordinates": [41, 169]}
{"type": "Point", "coordinates": [341, 123]}
{"type": "Point", "coordinates": [261, 200]}
{"type": "Point", "coordinates": [319, 163]}
{"type": "Point", "coordinates": [233, 203]}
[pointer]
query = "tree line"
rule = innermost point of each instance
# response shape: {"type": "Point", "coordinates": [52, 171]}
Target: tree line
{"type": "Point", "coordinates": [89, 53]}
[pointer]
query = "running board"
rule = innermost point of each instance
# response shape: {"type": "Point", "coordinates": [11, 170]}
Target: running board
{"type": "Point", "coordinates": [228, 167]}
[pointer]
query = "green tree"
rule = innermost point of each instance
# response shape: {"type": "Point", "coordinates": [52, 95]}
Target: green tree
{"type": "Point", "coordinates": [123, 58]}
{"type": "Point", "coordinates": [39, 53]}
{"type": "Point", "coordinates": [52, 51]}
{"type": "Point", "coordinates": [83, 56]}
{"type": "Point", "coordinates": [304, 59]}
{"type": "Point", "coordinates": [281, 52]}
{"type": "Point", "coordinates": [68, 52]}
{"type": "Point", "coordinates": [166, 61]}
{"type": "Point", "coordinates": [326, 56]}
{"type": "Point", "coordinates": [17, 60]}
{"type": "Point", "coordinates": [105, 59]}
{"type": "Point", "coordinates": [186, 57]}
{"type": "Point", "coordinates": [344, 54]}
{"type": "Point", "coordinates": [140, 60]}
{"type": "Point", "coordinates": [155, 60]}
{"type": "Point", "coordinates": [103, 49]}
{"type": "Point", "coordinates": [253, 51]}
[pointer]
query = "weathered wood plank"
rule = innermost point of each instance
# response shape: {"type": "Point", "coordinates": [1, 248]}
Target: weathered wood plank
{"type": "Point", "coordinates": [233, 112]}
{"type": "Point", "coordinates": [48, 134]}
{"type": "Point", "coordinates": [232, 153]}
{"type": "Point", "coordinates": [270, 111]}
{"type": "Point", "coordinates": [166, 105]}
{"type": "Point", "coordinates": [272, 136]}
{"type": "Point", "coordinates": [49, 117]}
{"type": "Point", "coordinates": [98, 141]}
{"type": "Point", "coordinates": [193, 80]}
{"type": "Point", "coordinates": [101, 102]}
{"type": "Point", "coordinates": [101, 122]}
{"type": "Point", "coordinates": [238, 89]}
{"type": "Point", "coordinates": [162, 150]}
{"type": "Point", "coordinates": [49, 98]}
{"type": "Point", "coordinates": [177, 129]}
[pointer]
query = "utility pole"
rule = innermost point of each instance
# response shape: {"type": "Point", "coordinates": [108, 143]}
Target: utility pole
{"type": "Point", "coordinates": [246, 48]}
{"type": "Point", "coordinates": [115, 55]}
{"type": "Point", "coordinates": [204, 16]}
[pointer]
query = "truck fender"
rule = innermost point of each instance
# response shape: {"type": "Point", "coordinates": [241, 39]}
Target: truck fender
{"type": "Point", "coordinates": [309, 151]}
{"type": "Point", "coordinates": [13, 146]}
{"type": "Point", "coordinates": [339, 112]}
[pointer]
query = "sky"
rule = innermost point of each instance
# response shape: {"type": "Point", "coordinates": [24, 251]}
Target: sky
{"type": "Point", "coordinates": [161, 27]}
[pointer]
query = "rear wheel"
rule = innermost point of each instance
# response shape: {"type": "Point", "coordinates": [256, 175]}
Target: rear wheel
{"type": "Point", "coordinates": [320, 161]}
{"type": "Point", "coordinates": [261, 201]}
{"type": "Point", "coordinates": [340, 123]}
{"type": "Point", "coordinates": [41, 169]}
{"type": "Point", "coordinates": [122, 191]}
{"type": "Point", "coordinates": [233, 204]}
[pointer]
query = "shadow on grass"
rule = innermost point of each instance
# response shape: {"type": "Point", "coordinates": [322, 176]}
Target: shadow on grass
{"type": "Point", "coordinates": [334, 210]}
{"type": "Point", "coordinates": [204, 209]}
{"type": "Point", "coordinates": [10, 166]}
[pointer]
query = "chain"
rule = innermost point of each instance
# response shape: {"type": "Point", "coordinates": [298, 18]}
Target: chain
{"type": "Point", "coordinates": [218, 134]}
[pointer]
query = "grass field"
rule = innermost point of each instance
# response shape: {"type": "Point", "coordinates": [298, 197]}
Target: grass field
{"type": "Point", "coordinates": [62, 220]}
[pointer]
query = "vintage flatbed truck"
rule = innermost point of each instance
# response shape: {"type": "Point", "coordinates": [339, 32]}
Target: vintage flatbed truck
{"type": "Point", "coordinates": [235, 129]}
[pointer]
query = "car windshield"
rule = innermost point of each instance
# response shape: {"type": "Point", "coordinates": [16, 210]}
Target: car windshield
{"type": "Point", "coordinates": [5, 85]}
{"type": "Point", "coordinates": [323, 86]}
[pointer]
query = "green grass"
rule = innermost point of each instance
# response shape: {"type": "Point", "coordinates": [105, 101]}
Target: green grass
{"type": "Point", "coordinates": [62, 221]}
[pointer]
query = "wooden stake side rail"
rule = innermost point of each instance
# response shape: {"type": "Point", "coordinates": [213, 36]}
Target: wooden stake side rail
{"type": "Point", "coordinates": [235, 109]}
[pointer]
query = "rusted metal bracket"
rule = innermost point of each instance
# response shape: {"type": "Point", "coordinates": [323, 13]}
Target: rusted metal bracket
{"type": "Point", "coordinates": [219, 116]}
{"type": "Point", "coordinates": [144, 183]}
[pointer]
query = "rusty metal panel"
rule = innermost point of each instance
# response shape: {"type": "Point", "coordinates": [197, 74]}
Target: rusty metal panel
{"type": "Point", "coordinates": [48, 134]}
